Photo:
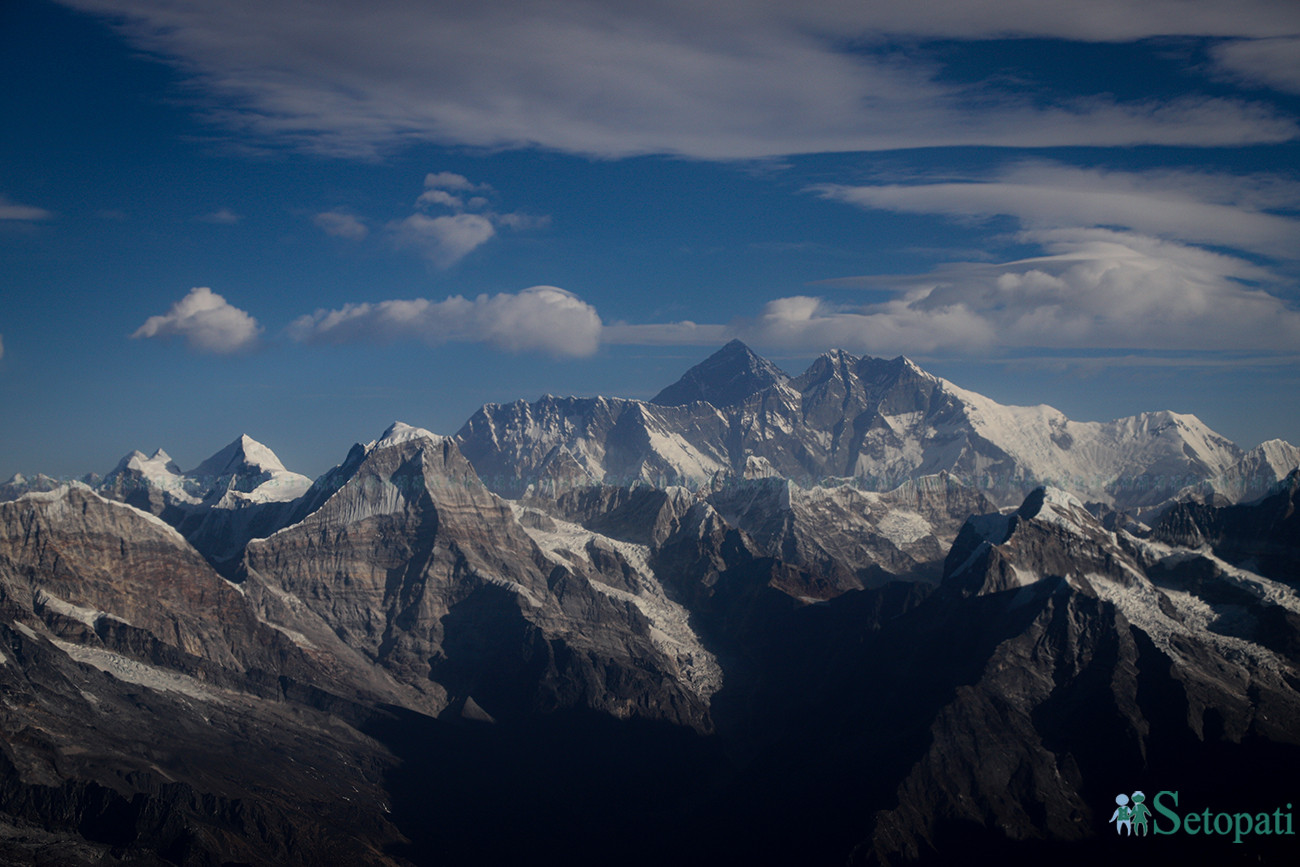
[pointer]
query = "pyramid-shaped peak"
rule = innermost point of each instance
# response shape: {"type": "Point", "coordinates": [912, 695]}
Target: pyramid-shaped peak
{"type": "Point", "coordinates": [725, 378]}
{"type": "Point", "coordinates": [244, 456]}
{"type": "Point", "coordinates": [735, 345]}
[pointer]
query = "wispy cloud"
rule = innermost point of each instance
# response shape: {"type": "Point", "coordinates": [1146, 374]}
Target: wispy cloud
{"type": "Point", "coordinates": [443, 240]}
{"type": "Point", "coordinates": [448, 189]}
{"type": "Point", "coordinates": [14, 211]}
{"type": "Point", "coordinates": [2, 346]}
{"type": "Point", "coordinates": [1216, 209]}
{"type": "Point", "coordinates": [707, 80]}
{"type": "Point", "coordinates": [206, 322]}
{"type": "Point", "coordinates": [539, 319]}
{"type": "Point", "coordinates": [1273, 63]}
{"type": "Point", "coordinates": [1094, 288]}
{"type": "Point", "coordinates": [340, 224]}
{"type": "Point", "coordinates": [222, 217]}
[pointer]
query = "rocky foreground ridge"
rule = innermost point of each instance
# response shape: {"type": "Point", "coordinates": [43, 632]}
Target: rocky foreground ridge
{"type": "Point", "coordinates": [691, 629]}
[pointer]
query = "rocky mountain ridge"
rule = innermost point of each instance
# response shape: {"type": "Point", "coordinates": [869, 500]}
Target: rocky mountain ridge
{"type": "Point", "coordinates": [756, 668]}
{"type": "Point", "coordinates": [873, 421]}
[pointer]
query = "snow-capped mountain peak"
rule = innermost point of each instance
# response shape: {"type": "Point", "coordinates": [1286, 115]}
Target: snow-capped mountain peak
{"type": "Point", "coordinates": [1055, 506]}
{"type": "Point", "coordinates": [725, 378]}
{"type": "Point", "coordinates": [400, 432]}
{"type": "Point", "coordinates": [879, 421]}
{"type": "Point", "coordinates": [157, 470]}
{"type": "Point", "coordinates": [240, 457]}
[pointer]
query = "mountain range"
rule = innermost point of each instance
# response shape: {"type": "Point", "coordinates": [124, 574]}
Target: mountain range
{"type": "Point", "coordinates": [870, 422]}
{"type": "Point", "coordinates": [856, 616]}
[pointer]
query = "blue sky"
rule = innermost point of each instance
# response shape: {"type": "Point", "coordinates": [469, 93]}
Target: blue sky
{"type": "Point", "coordinates": [302, 221]}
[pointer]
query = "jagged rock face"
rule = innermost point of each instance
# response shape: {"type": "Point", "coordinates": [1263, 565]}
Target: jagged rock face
{"type": "Point", "coordinates": [1263, 536]}
{"type": "Point", "coordinates": [1051, 534]}
{"type": "Point", "coordinates": [881, 422]}
{"type": "Point", "coordinates": [144, 710]}
{"type": "Point", "coordinates": [1079, 657]}
{"type": "Point", "coordinates": [1254, 476]}
{"type": "Point", "coordinates": [557, 444]}
{"type": "Point", "coordinates": [242, 492]}
{"type": "Point", "coordinates": [151, 767]}
{"type": "Point", "coordinates": [851, 538]}
{"type": "Point", "coordinates": [105, 574]}
{"type": "Point", "coordinates": [417, 566]}
{"type": "Point", "coordinates": [872, 410]}
{"type": "Point", "coordinates": [641, 514]}
{"type": "Point", "coordinates": [725, 378]}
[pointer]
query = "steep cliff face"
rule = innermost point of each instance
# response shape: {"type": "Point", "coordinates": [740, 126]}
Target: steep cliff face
{"type": "Point", "coordinates": [557, 444]}
{"type": "Point", "coordinates": [148, 712]}
{"type": "Point", "coordinates": [1078, 660]}
{"type": "Point", "coordinates": [415, 565]}
{"type": "Point", "coordinates": [849, 537]}
{"type": "Point", "coordinates": [105, 574]}
{"type": "Point", "coordinates": [1260, 536]}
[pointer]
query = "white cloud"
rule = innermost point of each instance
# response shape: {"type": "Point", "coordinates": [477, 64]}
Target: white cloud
{"type": "Point", "coordinates": [539, 319]}
{"type": "Point", "coordinates": [708, 80]}
{"type": "Point", "coordinates": [1223, 210]}
{"type": "Point", "coordinates": [1094, 288]}
{"type": "Point", "coordinates": [2, 346]}
{"type": "Point", "coordinates": [444, 240]}
{"type": "Point", "coordinates": [206, 322]}
{"type": "Point", "coordinates": [222, 217]}
{"type": "Point", "coordinates": [452, 181]}
{"type": "Point", "coordinates": [521, 222]}
{"type": "Point", "coordinates": [14, 211]}
{"type": "Point", "coordinates": [1271, 63]}
{"type": "Point", "coordinates": [341, 225]}
{"type": "Point", "coordinates": [440, 189]}
{"type": "Point", "coordinates": [441, 197]}
{"type": "Point", "coordinates": [812, 324]}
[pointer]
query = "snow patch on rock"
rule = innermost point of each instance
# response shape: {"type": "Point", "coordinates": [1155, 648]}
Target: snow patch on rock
{"type": "Point", "coordinates": [133, 671]}
{"type": "Point", "coordinates": [670, 627]}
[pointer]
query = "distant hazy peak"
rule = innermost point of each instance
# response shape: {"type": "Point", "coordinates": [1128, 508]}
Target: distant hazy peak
{"type": "Point", "coordinates": [158, 464]}
{"type": "Point", "coordinates": [400, 432]}
{"type": "Point", "coordinates": [725, 378]}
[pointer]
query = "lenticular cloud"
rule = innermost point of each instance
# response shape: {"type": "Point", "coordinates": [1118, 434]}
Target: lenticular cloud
{"type": "Point", "coordinates": [206, 322]}
{"type": "Point", "coordinates": [538, 319]}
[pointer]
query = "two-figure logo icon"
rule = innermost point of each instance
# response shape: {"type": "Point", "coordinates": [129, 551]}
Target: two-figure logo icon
{"type": "Point", "coordinates": [1131, 819]}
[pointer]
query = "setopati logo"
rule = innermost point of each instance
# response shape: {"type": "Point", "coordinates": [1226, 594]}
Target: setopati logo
{"type": "Point", "coordinates": [1133, 817]}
